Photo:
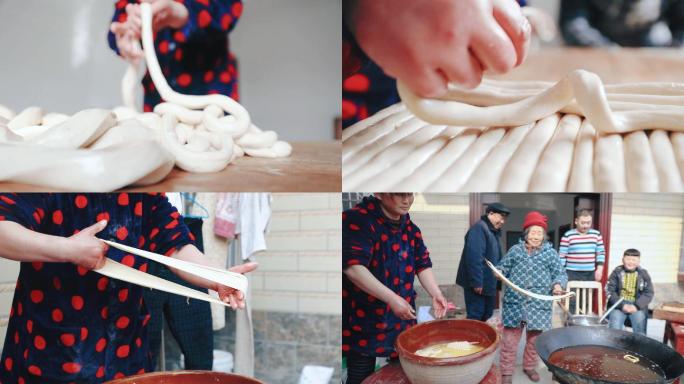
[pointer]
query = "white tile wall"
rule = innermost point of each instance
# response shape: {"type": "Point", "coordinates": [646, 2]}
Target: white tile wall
{"type": "Point", "coordinates": [301, 270]}
{"type": "Point", "coordinates": [651, 223]}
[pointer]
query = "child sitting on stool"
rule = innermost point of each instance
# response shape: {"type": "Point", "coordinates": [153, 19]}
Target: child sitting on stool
{"type": "Point", "coordinates": [632, 283]}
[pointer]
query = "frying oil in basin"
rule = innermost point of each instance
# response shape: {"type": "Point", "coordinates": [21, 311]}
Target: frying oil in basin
{"type": "Point", "coordinates": [605, 363]}
{"type": "Point", "coordinates": [453, 349]}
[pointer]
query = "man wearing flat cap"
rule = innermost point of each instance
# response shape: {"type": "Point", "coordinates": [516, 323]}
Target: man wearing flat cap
{"type": "Point", "coordinates": [478, 281]}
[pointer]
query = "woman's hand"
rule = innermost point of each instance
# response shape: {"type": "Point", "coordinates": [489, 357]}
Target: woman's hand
{"type": "Point", "coordinates": [232, 296]}
{"type": "Point", "coordinates": [165, 14]}
{"type": "Point", "coordinates": [439, 306]}
{"type": "Point", "coordinates": [401, 308]}
{"type": "Point", "coordinates": [127, 41]}
{"type": "Point", "coordinates": [429, 43]}
{"type": "Point", "coordinates": [86, 250]}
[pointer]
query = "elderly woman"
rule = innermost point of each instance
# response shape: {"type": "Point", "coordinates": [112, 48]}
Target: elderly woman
{"type": "Point", "coordinates": [533, 265]}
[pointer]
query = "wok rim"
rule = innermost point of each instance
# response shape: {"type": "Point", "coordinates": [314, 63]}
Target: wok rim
{"type": "Point", "coordinates": [553, 367]}
{"type": "Point", "coordinates": [569, 321]}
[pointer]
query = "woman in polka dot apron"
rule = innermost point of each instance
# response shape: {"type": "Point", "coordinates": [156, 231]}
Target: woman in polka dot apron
{"type": "Point", "coordinates": [534, 265]}
{"type": "Point", "coordinates": [382, 253]}
{"type": "Point", "coordinates": [68, 323]}
{"type": "Point", "coordinates": [191, 40]}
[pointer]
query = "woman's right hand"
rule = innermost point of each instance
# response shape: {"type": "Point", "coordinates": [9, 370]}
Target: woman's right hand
{"type": "Point", "coordinates": [127, 41]}
{"type": "Point", "coordinates": [401, 308]}
{"type": "Point", "coordinates": [86, 250]}
{"type": "Point", "coordinates": [429, 43]}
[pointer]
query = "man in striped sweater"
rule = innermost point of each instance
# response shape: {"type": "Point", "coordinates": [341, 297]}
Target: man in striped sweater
{"type": "Point", "coordinates": [582, 251]}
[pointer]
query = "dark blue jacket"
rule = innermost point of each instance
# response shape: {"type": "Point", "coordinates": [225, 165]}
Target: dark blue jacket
{"type": "Point", "coordinates": [481, 242]}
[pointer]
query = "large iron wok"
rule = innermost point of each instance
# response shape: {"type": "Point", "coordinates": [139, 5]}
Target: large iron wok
{"type": "Point", "coordinates": [671, 362]}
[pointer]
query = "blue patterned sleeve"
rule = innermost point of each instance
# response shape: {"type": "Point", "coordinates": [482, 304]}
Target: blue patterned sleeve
{"type": "Point", "coordinates": [25, 209]}
{"type": "Point", "coordinates": [163, 226]}
{"type": "Point", "coordinates": [556, 270]}
{"type": "Point", "coordinates": [506, 263]}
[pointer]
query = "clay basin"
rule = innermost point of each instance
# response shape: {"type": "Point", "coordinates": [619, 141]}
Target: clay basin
{"type": "Point", "coordinates": [186, 377]}
{"type": "Point", "coordinates": [470, 369]}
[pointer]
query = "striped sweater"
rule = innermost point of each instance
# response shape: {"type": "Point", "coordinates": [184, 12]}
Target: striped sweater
{"type": "Point", "coordinates": [582, 252]}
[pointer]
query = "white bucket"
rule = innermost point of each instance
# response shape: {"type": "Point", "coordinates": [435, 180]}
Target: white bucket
{"type": "Point", "coordinates": [223, 361]}
{"type": "Point", "coordinates": [316, 374]}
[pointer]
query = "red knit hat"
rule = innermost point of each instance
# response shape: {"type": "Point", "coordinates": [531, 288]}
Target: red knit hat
{"type": "Point", "coordinates": [535, 218]}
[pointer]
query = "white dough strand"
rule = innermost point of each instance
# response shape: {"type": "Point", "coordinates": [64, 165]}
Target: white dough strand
{"type": "Point", "coordinates": [104, 150]}
{"type": "Point", "coordinates": [525, 292]}
{"type": "Point", "coordinates": [575, 135]}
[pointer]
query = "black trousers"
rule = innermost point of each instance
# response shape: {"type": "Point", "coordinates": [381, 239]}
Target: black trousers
{"type": "Point", "coordinates": [359, 367]}
{"type": "Point", "coordinates": [188, 319]}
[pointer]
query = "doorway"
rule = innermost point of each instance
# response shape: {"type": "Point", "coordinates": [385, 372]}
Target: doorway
{"type": "Point", "coordinates": [560, 209]}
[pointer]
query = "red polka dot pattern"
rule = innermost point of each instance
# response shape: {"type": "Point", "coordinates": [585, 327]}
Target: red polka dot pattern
{"type": "Point", "coordinates": [55, 301]}
{"type": "Point", "coordinates": [184, 80]}
{"type": "Point", "coordinates": [77, 302]}
{"type": "Point", "coordinates": [122, 233]}
{"type": "Point", "coordinates": [57, 315]}
{"type": "Point", "coordinates": [394, 254]}
{"type": "Point", "coordinates": [123, 199]}
{"type": "Point", "coordinates": [203, 19]}
{"type": "Point", "coordinates": [123, 351]}
{"type": "Point", "coordinates": [71, 367]}
{"type": "Point", "coordinates": [57, 217]}
{"type": "Point", "coordinates": [128, 260]}
{"type": "Point", "coordinates": [122, 322]}
{"type": "Point", "coordinates": [67, 339]}
{"type": "Point", "coordinates": [35, 371]}
{"type": "Point", "coordinates": [101, 344]}
{"type": "Point", "coordinates": [81, 201]}
{"type": "Point", "coordinates": [37, 296]}
{"type": "Point", "coordinates": [39, 342]}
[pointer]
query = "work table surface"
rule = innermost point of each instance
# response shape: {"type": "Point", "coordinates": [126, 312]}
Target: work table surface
{"type": "Point", "coordinates": [312, 167]}
{"type": "Point", "coordinates": [620, 65]}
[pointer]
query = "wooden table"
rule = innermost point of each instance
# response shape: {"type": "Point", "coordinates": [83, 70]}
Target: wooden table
{"type": "Point", "coordinates": [612, 65]}
{"type": "Point", "coordinates": [312, 167]}
{"type": "Point", "coordinates": [393, 374]}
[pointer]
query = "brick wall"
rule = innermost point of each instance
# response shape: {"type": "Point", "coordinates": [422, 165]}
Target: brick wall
{"type": "Point", "coordinates": [651, 223]}
{"type": "Point", "coordinates": [443, 220]}
{"type": "Point", "coordinates": [301, 270]}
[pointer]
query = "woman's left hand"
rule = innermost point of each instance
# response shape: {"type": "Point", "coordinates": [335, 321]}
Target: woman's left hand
{"type": "Point", "coordinates": [232, 296]}
{"type": "Point", "coordinates": [165, 13]}
{"type": "Point", "coordinates": [557, 289]}
{"type": "Point", "coordinates": [168, 13]}
{"type": "Point", "coordinates": [439, 306]}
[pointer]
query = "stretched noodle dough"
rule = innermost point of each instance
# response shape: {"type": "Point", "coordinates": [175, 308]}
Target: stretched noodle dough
{"type": "Point", "coordinates": [524, 291]}
{"type": "Point", "coordinates": [221, 276]}
{"type": "Point", "coordinates": [119, 271]}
